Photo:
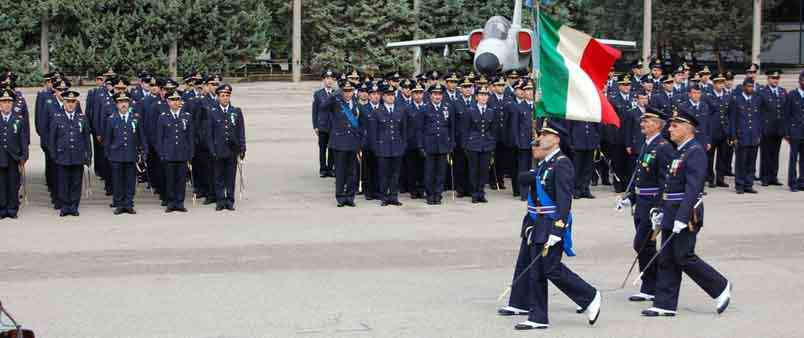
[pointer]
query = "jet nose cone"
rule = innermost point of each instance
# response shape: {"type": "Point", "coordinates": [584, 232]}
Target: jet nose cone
{"type": "Point", "coordinates": [487, 63]}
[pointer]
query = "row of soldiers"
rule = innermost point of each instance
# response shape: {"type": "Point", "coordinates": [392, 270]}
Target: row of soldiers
{"type": "Point", "coordinates": [154, 130]}
{"type": "Point", "coordinates": [422, 136]}
{"type": "Point", "coordinates": [737, 121]}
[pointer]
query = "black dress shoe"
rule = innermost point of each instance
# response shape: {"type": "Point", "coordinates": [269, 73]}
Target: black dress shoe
{"type": "Point", "coordinates": [369, 198]}
{"type": "Point", "coordinates": [131, 211]}
{"type": "Point", "coordinates": [460, 195]}
{"type": "Point", "coordinates": [340, 204]}
{"type": "Point", "coordinates": [219, 207]}
{"type": "Point", "coordinates": [793, 189]}
{"type": "Point", "coordinates": [589, 196]}
{"type": "Point", "coordinates": [76, 213]}
{"type": "Point", "coordinates": [502, 186]}
{"type": "Point", "coordinates": [108, 193]}
{"type": "Point", "coordinates": [62, 213]}
{"type": "Point", "coordinates": [384, 203]}
{"type": "Point", "coordinates": [169, 209]}
{"type": "Point", "coordinates": [493, 186]}
{"type": "Point", "coordinates": [181, 209]}
{"type": "Point", "coordinates": [396, 203]}
{"type": "Point", "coordinates": [576, 196]}
{"type": "Point", "coordinates": [594, 183]}
{"type": "Point", "coordinates": [740, 192]}
{"type": "Point", "coordinates": [483, 200]}
{"type": "Point", "coordinates": [775, 183]}
{"type": "Point", "coordinates": [209, 201]}
{"type": "Point", "coordinates": [509, 311]}
{"type": "Point", "coordinates": [751, 191]}
{"type": "Point", "coordinates": [712, 185]}
{"type": "Point", "coordinates": [163, 203]}
{"type": "Point", "coordinates": [475, 200]}
{"type": "Point", "coordinates": [764, 184]}
{"type": "Point", "coordinates": [530, 326]}
{"type": "Point", "coordinates": [438, 202]}
{"type": "Point", "coordinates": [12, 216]}
{"type": "Point", "coordinates": [118, 211]}
{"type": "Point", "coordinates": [722, 184]}
{"type": "Point", "coordinates": [230, 207]}
{"type": "Point", "coordinates": [111, 205]}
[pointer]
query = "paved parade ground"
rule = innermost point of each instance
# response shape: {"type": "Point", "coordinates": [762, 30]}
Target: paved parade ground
{"type": "Point", "coordinates": [289, 263]}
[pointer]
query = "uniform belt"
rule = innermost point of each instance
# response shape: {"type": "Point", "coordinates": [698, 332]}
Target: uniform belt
{"type": "Point", "coordinates": [676, 196]}
{"type": "Point", "coordinates": [647, 191]}
{"type": "Point", "coordinates": [542, 210]}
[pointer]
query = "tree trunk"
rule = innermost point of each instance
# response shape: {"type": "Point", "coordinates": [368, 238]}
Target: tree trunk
{"type": "Point", "coordinates": [173, 56]}
{"type": "Point", "coordinates": [44, 46]}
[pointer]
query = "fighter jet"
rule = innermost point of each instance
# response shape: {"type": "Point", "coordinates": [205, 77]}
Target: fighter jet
{"type": "Point", "coordinates": [500, 45]}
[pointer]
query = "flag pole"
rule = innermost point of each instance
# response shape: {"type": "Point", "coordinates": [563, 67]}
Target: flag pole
{"type": "Point", "coordinates": [535, 56]}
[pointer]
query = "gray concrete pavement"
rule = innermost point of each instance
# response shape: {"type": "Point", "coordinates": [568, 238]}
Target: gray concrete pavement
{"type": "Point", "coordinates": [288, 263]}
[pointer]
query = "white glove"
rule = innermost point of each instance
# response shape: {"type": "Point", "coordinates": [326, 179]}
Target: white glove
{"type": "Point", "coordinates": [622, 203]}
{"type": "Point", "coordinates": [678, 226]}
{"type": "Point", "coordinates": [552, 240]}
{"type": "Point", "coordinates": [656, 217]}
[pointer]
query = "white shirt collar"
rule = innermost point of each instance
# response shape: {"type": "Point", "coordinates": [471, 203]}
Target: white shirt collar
{"type": "Point", "coordinates": [747, 97]}
{"type": "Point", "coordinates": [550, 155]}
{"type": "Point", "coordinates": [224, 108]}
{"type": "Point", "coordinates": [648, 141]}
{"type": "Point", "coordinates": [681, 146]}
{"type": "Point", "coordinates": [389, 107]}
{"type": "Point", "coordinates": [800, 92]}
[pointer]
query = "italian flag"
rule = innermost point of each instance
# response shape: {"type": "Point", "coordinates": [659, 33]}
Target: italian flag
{"type": "Point", "coordinates": [574, 68]}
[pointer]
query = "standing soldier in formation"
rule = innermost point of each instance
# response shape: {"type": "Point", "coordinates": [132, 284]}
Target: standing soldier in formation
{"type": "Point", "coordinates": [124, 140]}
{"type": "Point", "coordinates": [436, 139]}
{"type": "Point", "coordinates": [521, 134]}
{"type": "Point", "coordinates": [321, 124]}
{"type": "Point", "coordinates": [501, 157]}
{"type": "Point", "coordinates": [615, 138]}
{"type": "Point", "coordinates": [369, 158]}
{"type": "Point", "coordinates": [680, 220]}
{"type": "Point", "coordinates": [175, 144]}
{"type": "Point", "coordinates": [70, 146]}
{"type": "Point", "coordinates": [460, 162]}
{"type": "Point", "coordinates": [746, 132]}
{"type": "Point", "coordinates": [226, 142]}
{"type": "Point", "coordinates": [413, 161]}
{"type": "Point", "coordinates": [695, 106]}
{"type": "Point", "coordinates": [794, 134]}
{"type": "Point", "coordinates": [479, 133]}
{"type": "Point", "coordinates": [14, 135]}
{"type": "Point", "coordinates": [389, 133]}
{"type": "Point", "coordinates": [719, 125]}
{"type": "Point", "coordinates": [585, 140]}
{"type": "Point", "coordinates": [346, 137]}
{"type": "Point", "coordinates": [773, 99]}
{"type": "Point", "coordinates": [545, 225]}
{"type": "Point", "coordinates": [203, 176]}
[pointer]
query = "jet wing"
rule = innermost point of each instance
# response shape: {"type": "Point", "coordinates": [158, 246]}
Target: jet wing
{"type": "Point", "coordinates": [465, 38]}
{"type": "Point", "coordinates": [430, 42]}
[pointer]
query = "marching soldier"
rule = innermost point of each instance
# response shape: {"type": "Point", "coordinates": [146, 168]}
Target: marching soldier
{"type": "Point", "coordinates": [69, 143]}
{"type": "Point", "coordinates": [175, 144]}
{"type": "Point", "coordinates": [124, 141]}
{"type": "Point", "coordinates": [773, 99]}
{"type": "Point", "coordinates": [746, 132]}
{"type": "Point", "coordinates": [436, 139]}
{"type": "Point", "coordinates": [546, 224]}
{"type": "Point", "coordinates": [227, 142]}
{"type": "Point", "coordinates": [479, 133]}
{"type": "Point", "coordinates": [389, 132]}
{"type": "Point", "coordinates": [345, 140]}
{"type": "Point", "coordinates": [14, 140]}
{"type": "Point", "coordinates": [655, 154]}
{"type": "Point", "coordinates": [794, 134]}
{"type": "Point", "coordinates": [719, 125]}
{"type": "Point", "coordinates": [521, 133]}
{"type": "Point", "coordinates": [680, 220]}
{"type": "Point", "coordinates": [321, 124]}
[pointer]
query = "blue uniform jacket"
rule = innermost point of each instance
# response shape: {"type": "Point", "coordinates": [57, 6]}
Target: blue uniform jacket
{"type": "Point", "coordinates": [70, 141]}
{"type": "Point", "coordinates": [124, 139]}
{"type": "Point", "coordinates": [389, 131]}
{"type": "Point", "coordinates": [684, 185]}
{"type": "Point", "coordinates": [436, 132]}
{"type": "Point", "coordinates": [174, 137]}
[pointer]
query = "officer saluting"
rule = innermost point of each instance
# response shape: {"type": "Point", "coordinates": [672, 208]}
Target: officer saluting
{"type": "Point", "coordinates": [70, 146]}
{"type": "Point", "coordinates": [650, 173]}
{"type": "Point", "coordinates": [124, 140]}
{"type": "Point", "coordinates": [174, 142]}
{"type": "Point", "coordinates": [544, 226]}
{"type": "Point", "coordinates": [680, 220]}
{"type": "Point", "coordinates": [227, 142]}
{"type": "Point", "coordinates": [13, 155]}
{"type": "Point", "coordinates": [436, 139]}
